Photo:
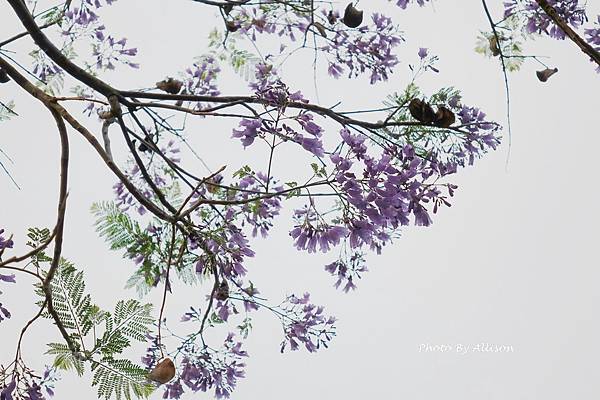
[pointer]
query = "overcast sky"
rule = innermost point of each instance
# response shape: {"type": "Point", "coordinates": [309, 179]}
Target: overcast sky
{"type": "Point", "coordinates": [513, 262]}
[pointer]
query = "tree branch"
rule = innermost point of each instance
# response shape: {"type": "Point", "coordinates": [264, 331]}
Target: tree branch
{"type": "Point", "coordinates": [575, 38]}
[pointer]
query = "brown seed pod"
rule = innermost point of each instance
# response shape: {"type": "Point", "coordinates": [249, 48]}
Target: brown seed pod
{"type": "Point", "coordinates": [421, 111]}
{"type": "Point", "coordinates": [4, 76]}
{"type": "Point", "coordinates": [352, 16]}
{"type": "Point", "coordinates": [222, 292]}
{"type": "Point", "coordinates": [169, 85]}
{"type": "Point", "coordinates": [546, 73]}
{"type": "Point", "coordinates": [231, 26]}
{"type": "Point", "coordinates": [494, 46]}
{"type": "Point", "coordinates": [163, 372]}
{"type": "Point", "coordinates": [320, 28]}
{"type": "Point", "coordinates": [444, 117]}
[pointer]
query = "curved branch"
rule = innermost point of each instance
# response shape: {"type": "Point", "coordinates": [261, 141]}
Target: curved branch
{"type": "Point", "coordinates": [575, 38]}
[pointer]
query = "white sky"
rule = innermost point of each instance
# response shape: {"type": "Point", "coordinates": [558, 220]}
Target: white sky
{"type": "Point", "coordinates": [513, 262]}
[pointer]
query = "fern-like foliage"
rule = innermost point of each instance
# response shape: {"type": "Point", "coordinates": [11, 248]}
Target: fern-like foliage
{"type": "Point", "coordinates": [116, 227]}
{"type": "Point", "coordinates": [149, 249]}
{"type": "Point", "coordinates": [99, 336]}
{"type": "Point", "coordinates": [120, 378]}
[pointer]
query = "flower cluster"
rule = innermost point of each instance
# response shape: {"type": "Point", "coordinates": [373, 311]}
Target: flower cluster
{"type": "Point", "coordinates": [26, 385]}
{"type": "Point", "coordinates": [107, 51]}
{"type": "Point", "coordinates": [304, 323]}
{"type": "Point", "coordinates": [592, 35]}
{"type": "Point", "coordinates": [200, 78]}
{"type": "Point", "coordinates": [539, 22]}
{"type": "Point", "coordinates": [250, 129]}
{"type": "Point", "coordinates": [365, 49]}
{"type": "Point", "coordinates": [258, 215]}
{"type": "Point", "coordinates": [313, 231]}
{"type": "Point", "coordinates": [404, 3]}
{"type": "Point", "coordinates": [347, 271]}
{"type": "Point", "coordinates": [204, 369]}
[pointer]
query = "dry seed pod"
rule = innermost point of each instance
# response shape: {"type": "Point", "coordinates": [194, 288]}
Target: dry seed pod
{"type": "Point", "coordinates": [352, 16]}
{"type": "Point", "coordinates": [169, 85]}
{"type": "Point", "coordinates": [163, 372]}
{"type": "Point", "coordinates": [222, 293]}
{"type": "Point", "coordinates": [4, 76]}
{"type": "Point", "coordinates": [546, 73]}
{"type": "Point", "coordinates": [494, 46]}
{"type": "Point", "coordinates": [320, 28]}
{"type": "Point", "coordinates": [444, 117]}
{"type": "Point", "coordinates": [421, 111]}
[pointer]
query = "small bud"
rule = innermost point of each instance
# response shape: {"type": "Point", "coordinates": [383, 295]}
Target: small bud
{"type": "Point", "coordinates": [169, 85]}
{"type": "Point", "coordinates": [163, 372]}
{"type": "Point", "coordinates": [222, 292]}
{"type": "Point", "coordinates": [444, 117]}
{"type": "Point", "coordinates": [143, 147]}
{"type": "Point", "coordinates": [352, 16]}
{"type": "Point", "coordinates": [546, 73]}
{"type": "Point", "coordinates": [331, 17]}
{"type": "Point", "coordinates": [4, 76]}
{"type": "Point", "coordinates": [421, 111]}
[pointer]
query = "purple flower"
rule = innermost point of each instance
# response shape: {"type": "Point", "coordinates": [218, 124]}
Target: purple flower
{"type": "Point", "coordinates": [5, 243]}
{"type": "Point", "coordinates": [422, 53]}
{"type": "Point", "coordinates": [250, 131]}
{"type": "Point", "coordinates": [6, 393]}
{"type": "Point", "coordinates": [8, 278]}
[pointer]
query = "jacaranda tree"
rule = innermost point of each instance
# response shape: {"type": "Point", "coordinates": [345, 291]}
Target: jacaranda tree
{"type": "Point", "coordinates": [368, 177]}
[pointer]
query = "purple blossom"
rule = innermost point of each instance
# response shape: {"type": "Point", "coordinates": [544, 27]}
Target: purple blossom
{"type": "Point", "coordinates": [306, 324]}
{"type": "Point", "coordinates": [539, 22]}
{"type": "Point", "coordinates": [249, 132]}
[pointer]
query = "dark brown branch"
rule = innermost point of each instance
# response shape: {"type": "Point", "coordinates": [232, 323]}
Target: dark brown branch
{"type": "Point", "coordinates": [23, 34]}
{"type": "Point", "coordinates": [575, 38]}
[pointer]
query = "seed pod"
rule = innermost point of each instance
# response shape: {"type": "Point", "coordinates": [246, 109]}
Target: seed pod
{"type": "Point", "coordinates": [421, 111]}
{"type": "Point", "coordinates": [444, 117]}
{"type": "Point", "coordinates": [494, 46]}
{"type": "Point", "coordinates": [4, 76]}
{"type": "Point", "coordinates": [222, 292]}
{"type": "Point", "coordinates": [546, 73]}
{"type": "Point", "coordinates": [352, 16]}
{"type": "Point", "coordinates": [169, 85]}
{"type": "Point", "coordinates": [320, 28]}
{"type": "Point", "coordinates": [163, 372]}
{"type": "Point", "coordinates": [231, 26]}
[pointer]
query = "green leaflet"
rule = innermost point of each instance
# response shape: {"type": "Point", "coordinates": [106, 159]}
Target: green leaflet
{"type": "Point", "coordinates": [99, 336]}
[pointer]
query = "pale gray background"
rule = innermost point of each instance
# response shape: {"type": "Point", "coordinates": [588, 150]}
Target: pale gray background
{"type": "Point", "coordinates": [513, 262]}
